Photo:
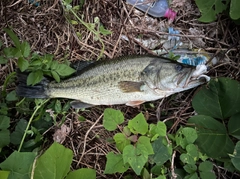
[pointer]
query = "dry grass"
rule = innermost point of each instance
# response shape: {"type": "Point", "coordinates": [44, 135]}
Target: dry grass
{"type": "Point", "coordinates": [46, 29]}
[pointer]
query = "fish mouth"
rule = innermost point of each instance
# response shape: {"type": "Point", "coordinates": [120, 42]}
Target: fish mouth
{"type": "Point", "coordinates": [191, 79]}
{"type": "Point", "coordinates": [196, 80]}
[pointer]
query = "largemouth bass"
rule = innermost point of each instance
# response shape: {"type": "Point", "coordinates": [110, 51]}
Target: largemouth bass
{"type": "Point", "coordinates": [129, 80]}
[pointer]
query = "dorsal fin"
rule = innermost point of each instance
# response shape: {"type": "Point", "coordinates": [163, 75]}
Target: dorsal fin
{"type": "Point", "coordinates": [80, 65]}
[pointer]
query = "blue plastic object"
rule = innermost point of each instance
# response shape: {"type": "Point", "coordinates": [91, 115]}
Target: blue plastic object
{"type": "Point", "coordinates": [194, 61]}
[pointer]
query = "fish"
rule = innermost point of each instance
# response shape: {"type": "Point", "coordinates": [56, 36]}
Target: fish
{"type": "Point", "coordinates": [129, 80]}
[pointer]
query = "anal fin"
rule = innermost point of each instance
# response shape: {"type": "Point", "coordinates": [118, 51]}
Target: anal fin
{"type": "Point", "coordinates": [134, 103]}
{"type": "Point", "coordinates": [130, 86]}
{"type": "Point", "coordinates": [80, 105]}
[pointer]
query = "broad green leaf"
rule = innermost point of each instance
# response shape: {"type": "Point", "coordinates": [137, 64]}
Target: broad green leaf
{"type": "Point", "coordinates": [17, 134]}
{"type": "Point", "coordinates": [4, 122]}
{"type": "Point", "coordinates": [138, 125]}
{"type": "Point", "coordinates": [3, 60]}
{"type": "Point", "coordinates": [5, 138]}
{"type": "Point", "coordinates": [206, 170]}
{"type": "Point", "coordinates": [13, 37]}
{"type": "Point", "coordinates": [212, 137]}
{"type": "Point", "coordinates": [191, 156]}
{"type": "Point", "coordinates": [190, 168]}
{"type": "Point", "coordinates": [145, 141]}
{"type": "Point", "coordinates": [161, 152]}
{"type": "Point", "coordinates": [145, 174]}
{"type": "Point", "coordinates": [54, 65]}
{"type": "Point", "coordinates": [20, 164]}
{"type": "Point", "coordinates": [25, 49]}
{"type": "Point", "coordinates": [235, 158]}
{"type": "Point", "coordinates": [55, 76]}
{"type": "Point", "coordinates": [234, 125]}
{"type": "Point", "coordinates": [22, 64]}
{"type": "Point", "coordinates": [210, 8]}
{"type": "Point", "coordinates": [136, 157]}
{"type": "Point", "coordinates": [112, 118]}
{"type": "Point", "coordinates": [206, 166]}
{"type": "Point", "coordinates": [34, 77]}
{"type": "Point", "coordinates": [121, 141]}
{"type": "Point", "coordinates": [157, 130]}
{"type": "Point", "coordinates": [185, 136]}
{"type": "Point", "coordinates": [193, 175]}
{"type": "Point", "coordinates": [58, 106]}
{"type": "Point", "coordinates": [64, 70]}
{"type": "Point", "coordinates": [234, 9]}
{"type": "Point", "coordinates": [4, 174]}
{"type": "Point", "coordinates": [115, 164]}
{"type": "Point", "coordinates": [54, 163]}
{"type": "Point", "coordinates": [12, 52]}
{"type": "Point", "coordinates": [12, 96]}
{"type": "Point", "coordinates": [82, 173]}
{"type": "Point", "coordinates": [220, 99]}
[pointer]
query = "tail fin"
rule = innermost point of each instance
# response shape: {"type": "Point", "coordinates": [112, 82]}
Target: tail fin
{"type": "Point", "coordinates": [36, 91]}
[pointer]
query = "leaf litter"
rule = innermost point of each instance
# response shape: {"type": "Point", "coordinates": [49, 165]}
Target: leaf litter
{"type": "Point", "coordinates": [45, 28]}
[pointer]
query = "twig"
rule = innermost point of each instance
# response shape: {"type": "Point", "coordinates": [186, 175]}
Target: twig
{"type": "Point", "coordinates": [85, 139]}
{"type": "Point", "coordinates": [174, 175]}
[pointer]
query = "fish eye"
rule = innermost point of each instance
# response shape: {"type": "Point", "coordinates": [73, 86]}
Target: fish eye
{"type": "Point", "coordinates": [178, 67]}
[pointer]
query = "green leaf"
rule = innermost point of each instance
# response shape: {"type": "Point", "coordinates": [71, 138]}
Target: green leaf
{"type": "Point", "coordinates": [12, 96]}
{"type": "Point", "coordinates": [4, 122]}
{"type": "Point", "coordinates": [234, 126]}
{"type": "Point", "coordinates": [162, 153]}
{"type": "Point", "coordinates": [220, 99]}
{"type": "Point", "coordinates": [212, 136]}
{"type": "Point", "coordinates": [104, 31]}
{"type": "Point", "coordinates": [191, 156]}
{"type": "Point", "coordinates": [193, 175]}
{"type": "Point", "coordinates": [17, 134]}
{"type": "Point", "coordinates": [4, 174]}
{"type": "Point", "coordinates": [22, 64]}
{"type": "Point", "coordinates": [121, 141]}
{"type": "Point", "coordinates": [138, 125]}
{"type": "Point", "coordinates": [3, 60]}
{"type": "Point", "coordinates": [234, 9]}
{"type": "Point", "coordinates": [206, 170]}
{"type": "Point", "coordinates": [190, 168]}
{"type": "Point", "coordinates": [157, 130]}
{"type": "Point", "coordinates": [82, 173]}
{"type": "Point", "coordinates": [58, 107]}
{"type": "Point", "coordinates": [5, 138]}
{"type": "Point", "coordinates": [55, 76]}
{"type": "Point", "coordinates": [112, 118]}
{"type": "Point", "coordinates": [20, 164]}
{"type": "Point", "coordinates": [136, 157]}
{"type": "Point", "coordinates": [235, 158]}
{"type": "Point", "coordinates": [185, 136]}
{"type": "Point", "coordinates": [54, 163]}
{"type": "Point", "coordinates": [25, 49]}
{"type": "Point", "coordinates": [145, 141]}
{"type": "Point", "coordinates": [210, 8]}
{"type": "Point", "coordinates": [34, 77]}
{"type": "Point", "coordinates": [115, 164]}
{"type": "Point", "coordinates": [13, 37]}
{"type": "Point", "coordinates": [64, 70]}
{"type": "Point", "coordinates": [12, 52]}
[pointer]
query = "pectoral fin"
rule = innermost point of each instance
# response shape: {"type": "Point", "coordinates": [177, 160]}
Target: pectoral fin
{"type": "Point", "coordinates": [80, 105]}
{"type": "Point", "coordinates": [130, 86]}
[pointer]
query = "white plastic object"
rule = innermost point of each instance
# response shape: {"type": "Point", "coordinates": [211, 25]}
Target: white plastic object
{"type": "Point", "coordinates": [157, 8]}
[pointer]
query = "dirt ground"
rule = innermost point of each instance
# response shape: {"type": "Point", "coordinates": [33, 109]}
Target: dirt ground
{"type": "Point", "coordinates": [46, 29]}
